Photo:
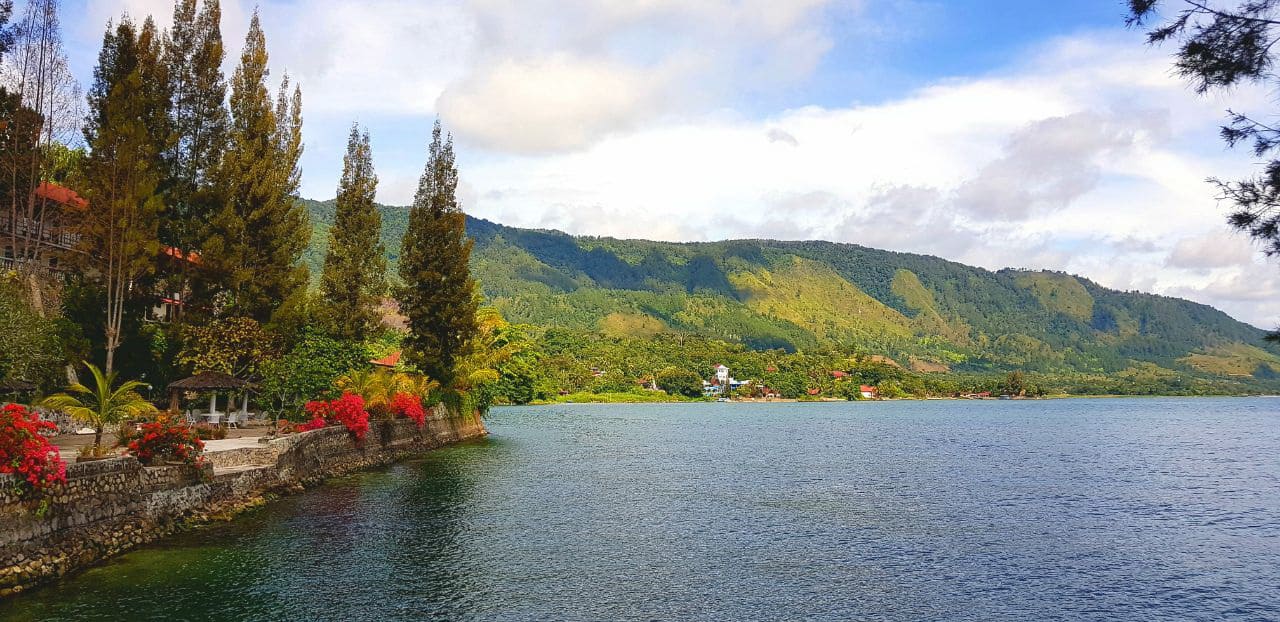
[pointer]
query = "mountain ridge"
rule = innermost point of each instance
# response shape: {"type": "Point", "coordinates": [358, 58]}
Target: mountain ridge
{"type": "Point", "coordinates": [926, 312]}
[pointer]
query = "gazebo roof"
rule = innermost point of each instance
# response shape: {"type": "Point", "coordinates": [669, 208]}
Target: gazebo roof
{"type": "Point", "coordinates": [208, 381]}
{"type": "Point", "coordinates": [16, 386]}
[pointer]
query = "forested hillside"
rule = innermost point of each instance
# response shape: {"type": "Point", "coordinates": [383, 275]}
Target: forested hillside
{"type": "Point", "coordinates": [926, 313]}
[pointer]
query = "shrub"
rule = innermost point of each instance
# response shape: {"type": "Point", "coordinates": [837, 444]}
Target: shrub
{"type": "Point", "coordinates": [161, 441]}
{"type": "Point", "coordinates": [209, 432]}
{"type": "Point", "coordinates": [26, 452]}
{"type": "Point", "coordinates": [680, 382]}
{"type": "Point", "coordinates": [409, 406]}
{"type": "Point", "coordinates": [347, 410]}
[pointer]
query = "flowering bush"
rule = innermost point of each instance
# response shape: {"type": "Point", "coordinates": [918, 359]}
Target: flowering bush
{"type": "Point", "coordinates": [24, 451]}
{"type": "Point", "coordinates": [316, 423]}
{"type": "Point", "coordinates": [409, 406]}
{"type": "Point", "coordinates": [161, 441]}
{"type": "Point", "coordinates": [348, 410]}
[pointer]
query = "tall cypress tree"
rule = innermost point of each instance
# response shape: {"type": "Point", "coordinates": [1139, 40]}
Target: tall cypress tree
{"type": "Point", "coordinates": [155, 94]}
{"type": "Point", "coordinates": [354, 277]}
{"type": "Point", "coordinates": [439, 296]}
{"type": "Point", "coordinates": [193, 57]}
{"type": "Point", "coordinates": [257, 237]}
{"type": "Point", "coordinates": [122, 173]}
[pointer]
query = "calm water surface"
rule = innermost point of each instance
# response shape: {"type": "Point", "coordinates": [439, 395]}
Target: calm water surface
{"type": "Point", "coordinates": [1082, 510]}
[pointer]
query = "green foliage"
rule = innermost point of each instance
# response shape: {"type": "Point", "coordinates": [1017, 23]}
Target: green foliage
{"type": "Point", "coordinates": [29, 345]}
{"type": "Point", "coordinates": [818, 297]}
{"type": "Point", "coordinates": [309, 371]}
{"type": "Point", "coordinates": [438, 297]}
{"type": "Point", "coordinates": [354, 276]}
{"type": "Point", "coordinates": [193, 56]}
{"type": "Point", "coordinates": [237, 346]}
{"type": "Point", "coordinates": [679, 382]}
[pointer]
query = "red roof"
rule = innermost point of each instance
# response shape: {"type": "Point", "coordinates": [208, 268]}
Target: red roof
{"type": "Point", "coordinates": [814, 391]}
{"type": "Point", "coordinates": [866, 388]}
{"type": "Point", "coordinates": [838, 374]}
{"type": "Point", "coordinates": [60, 194]}
{"type": "Point", "coordinates": [390, 360]}
{"type": "Point", "coordinates": [771, 369]}
{"type": "Point", "coordinates": [176, 253]}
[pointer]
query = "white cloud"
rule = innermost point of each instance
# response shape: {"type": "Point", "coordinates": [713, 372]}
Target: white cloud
{"type": "Point", "coordinates": [558, 75]}
{"type": "Point", "coordinates": [555, 103]}
{"type": "Point", "coordinates": [625, 118]}
{"type": "Point", "coordinates": [1089, 158]}
{"type": "Point", "coordinates": [1216, 249]}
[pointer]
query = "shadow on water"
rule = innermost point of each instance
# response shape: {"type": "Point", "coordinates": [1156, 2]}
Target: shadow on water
{"type": "Point", "coordinates": [375, 545]}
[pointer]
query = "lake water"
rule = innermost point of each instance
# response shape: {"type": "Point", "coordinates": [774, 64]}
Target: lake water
{"type": "Point", "coordinates": [1125, 509]}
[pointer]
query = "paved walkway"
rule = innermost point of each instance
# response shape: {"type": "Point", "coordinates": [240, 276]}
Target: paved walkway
{"type": "Point", "coordinates": [69, 451]}
{"type": "Point", "coordinates": [226, 444]}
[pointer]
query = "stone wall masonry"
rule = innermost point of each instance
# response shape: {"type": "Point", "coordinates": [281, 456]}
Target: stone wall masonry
{"type": "Point", "coordinates": [113, 505]}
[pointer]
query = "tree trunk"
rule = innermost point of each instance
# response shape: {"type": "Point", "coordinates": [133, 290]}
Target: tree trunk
{"type": "Point", "coordinates": [97, 441]}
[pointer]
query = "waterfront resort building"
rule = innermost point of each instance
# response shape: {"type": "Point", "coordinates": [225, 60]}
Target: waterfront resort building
{"type": "Point", "coordinates": [721, 382]}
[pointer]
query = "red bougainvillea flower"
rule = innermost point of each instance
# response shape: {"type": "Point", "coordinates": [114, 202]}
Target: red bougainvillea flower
{"type": "Point", "coordinates": [348, 410]}
{"type": "Point", "coordinates": [409, 406]}
{"type": "Point", "coordinates": [26, 452]}
{"type": "Point", "coordinates": [315, 424]}
{"type": "Point", "coordinates": [163, 441]}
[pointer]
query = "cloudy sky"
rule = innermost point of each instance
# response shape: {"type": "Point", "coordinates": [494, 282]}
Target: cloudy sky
{"type": "Point", "coordinates": [982, 131]}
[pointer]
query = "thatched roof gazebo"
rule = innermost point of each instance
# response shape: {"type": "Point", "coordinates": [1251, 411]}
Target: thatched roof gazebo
{"type": "Point", "coordinates": [211, 381]}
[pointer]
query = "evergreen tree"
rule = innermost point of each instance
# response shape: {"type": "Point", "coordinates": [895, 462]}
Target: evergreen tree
{"type": "Point", "coordinates": [193, 57]}
{"type": "Point", "coordinates": [1220, 46]}
{"type": "Point", "coordinates": [155, 92]}
{"type": "Point", "coordinates": [439, 296]}
{"type": "Point", "coordinates": [259, 233]}
{"type": "Point", "coordinates": [122, 174]}
{"type": "Point", "coordinates": [354, 277]}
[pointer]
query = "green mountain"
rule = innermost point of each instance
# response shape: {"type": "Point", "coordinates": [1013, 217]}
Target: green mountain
{"type": "Point", "coordinates": [926, 313]}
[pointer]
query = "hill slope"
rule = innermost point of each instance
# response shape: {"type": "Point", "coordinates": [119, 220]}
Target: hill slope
{"type": "Point", "coordinates": [923, 311]}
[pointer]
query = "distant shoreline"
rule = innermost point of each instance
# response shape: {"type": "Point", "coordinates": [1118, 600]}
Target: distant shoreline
{"type": "Point", "coordinates": [621, 398]}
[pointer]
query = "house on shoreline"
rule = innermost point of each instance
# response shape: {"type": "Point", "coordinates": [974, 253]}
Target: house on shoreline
{"type": "Point", "coordinates": [722, 383]}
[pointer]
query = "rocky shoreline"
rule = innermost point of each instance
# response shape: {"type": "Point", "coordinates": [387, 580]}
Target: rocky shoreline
{"type": "Point", "coordinates": [110, 506]}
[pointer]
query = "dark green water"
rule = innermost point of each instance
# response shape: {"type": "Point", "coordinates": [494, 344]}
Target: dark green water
{"type": "Point", "coordinates": [1080, 509]}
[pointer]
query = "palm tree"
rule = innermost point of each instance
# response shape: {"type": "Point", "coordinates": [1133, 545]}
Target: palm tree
{"type": "Point", "coordinates": [102, 405]}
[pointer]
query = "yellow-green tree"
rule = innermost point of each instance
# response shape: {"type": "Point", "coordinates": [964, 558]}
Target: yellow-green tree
{"type": "Point", "coordinates": [122, 173]}
{"type": "Point", "coordinates": [257, 237]}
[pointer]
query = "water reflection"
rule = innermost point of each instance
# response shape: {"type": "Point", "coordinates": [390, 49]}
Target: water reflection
{"type": "Point", "coordinates": [1080, 509]}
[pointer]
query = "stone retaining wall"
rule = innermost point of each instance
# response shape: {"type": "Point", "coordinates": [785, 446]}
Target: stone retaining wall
{"type": "Point", "coordinates": [110, 506]}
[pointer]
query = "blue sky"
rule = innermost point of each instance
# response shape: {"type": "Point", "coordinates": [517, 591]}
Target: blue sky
{"type": "Point", "coordinates": [998, 133]}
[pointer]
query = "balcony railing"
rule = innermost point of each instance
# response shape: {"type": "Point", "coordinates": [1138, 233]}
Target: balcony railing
{"type": "Point", "coordinates": [29, 266]}
{"type": "Point", "coordinates": [37, 232]}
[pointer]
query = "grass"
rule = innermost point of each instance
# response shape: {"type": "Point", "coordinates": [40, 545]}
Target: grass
{"type": "Point", "coordinates": [646, 397]}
